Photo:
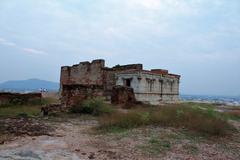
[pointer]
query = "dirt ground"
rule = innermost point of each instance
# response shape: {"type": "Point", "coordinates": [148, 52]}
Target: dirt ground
{"type": "Point", "coordinates": [75, 139]}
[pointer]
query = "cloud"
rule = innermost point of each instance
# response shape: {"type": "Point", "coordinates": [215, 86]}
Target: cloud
{"type": "Point", "coordinates": [174, 34]}
{"type": "Point", "coordinates": [6, 42]}
{"type": "Point", "coordinates": [34, 51]}
{"type": "Point", "coordinates": [148, 4]}
{"type": "Point", "coordinates": [167, 7]}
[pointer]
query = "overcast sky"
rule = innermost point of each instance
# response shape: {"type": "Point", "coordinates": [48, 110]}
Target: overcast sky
{"type": "Point", "coordinates": [198, 39]}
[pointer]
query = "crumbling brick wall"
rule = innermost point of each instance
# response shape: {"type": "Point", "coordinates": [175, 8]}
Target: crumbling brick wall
{"type": "Point", "coordinates": [93, 79]}
{"type": "Point", "coordinates": [85, 73]}
{"type": "Point", "coordinates": [73, 95]}
{"type": "Point", "coordinates": [122, 95]}
{"type": "Point", "coordinates": [86, 79]}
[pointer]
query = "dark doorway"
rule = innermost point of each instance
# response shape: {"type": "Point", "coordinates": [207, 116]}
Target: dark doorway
{"type": "Point", "coordinates": [128, 82]}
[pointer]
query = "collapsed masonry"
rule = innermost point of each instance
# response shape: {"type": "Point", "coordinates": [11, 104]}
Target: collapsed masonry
{"type": "Point", "coordinates": [89, 80]}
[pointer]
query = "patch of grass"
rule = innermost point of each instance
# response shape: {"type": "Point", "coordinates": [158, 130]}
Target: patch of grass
{"type": "Point", "coordinates": [191, 148]}
{"type": "Point", "coordinates": [156, 146]}
{"type": "Point", "coordinates": [49, 100]}
{"type": "Point", "coordinates": [112, 129]}
{"type": "Point", "coordinates": [34, 102]}
{"type": "Point", "coordinates": [201, 120]}
{"type": "Point", "coordinates": [120, 120]}
{"type": "Point", "coordinates": [201, 105]}
{"type": "Point", "coordinates": [19, 110]}
{"type": "Point", "coordinates": [94, 107]}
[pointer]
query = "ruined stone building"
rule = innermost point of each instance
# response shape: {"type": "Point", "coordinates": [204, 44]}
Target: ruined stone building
{"type": "Point", "coordinates": [94, 79]}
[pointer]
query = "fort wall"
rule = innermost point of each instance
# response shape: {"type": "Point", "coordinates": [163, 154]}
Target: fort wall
{"type": "Point", "coordinates": [94, 79]}
{"type": "Point", "coordinates": [90, 79]}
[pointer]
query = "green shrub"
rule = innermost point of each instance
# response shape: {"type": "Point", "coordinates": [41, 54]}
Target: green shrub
{"type": "Point", "coordinates": [94, 107]}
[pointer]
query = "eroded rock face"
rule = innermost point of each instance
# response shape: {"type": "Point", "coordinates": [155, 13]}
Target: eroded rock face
{"type": "Point", "coordinates": [122, 95]}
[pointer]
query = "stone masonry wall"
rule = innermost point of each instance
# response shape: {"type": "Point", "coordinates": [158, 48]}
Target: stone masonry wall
{"type": "Point", "coordinates": [153, 88]}
{"type": "Point", "coordinates": [73, 95]}
{"type": "Point", "coordinates": [86, 79]}
{"type": "Point", "coordinates": [110, 76]}
{"type": "Point", "coordinates": [93, 79]}
{"type": "Point", "coordinates": [84, 73]}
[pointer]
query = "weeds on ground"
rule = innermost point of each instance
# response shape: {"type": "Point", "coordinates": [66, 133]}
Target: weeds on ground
{"type": "Point", "coordinates": [205, 121]}
{"type": "Point", "coordinates": [156, 146]}
{"type": "Point", "coordinates": [19, 108]}
{"type": "Point", "coordinates": [49, 100]}
{"type": "Point", "coordinates": [191, 148]}
{"type": "Point", "coordinates": [234, 115]}
{"type": "Point", "coordinates": [94, 107]}
{"type": "Point", "coordinates": [201, 105]}
{"type": "Point", "coordinates": [34, 102]}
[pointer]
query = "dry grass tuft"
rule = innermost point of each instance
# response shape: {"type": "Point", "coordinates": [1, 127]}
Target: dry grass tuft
{"type": "Point", "coordinates": [234, 114]}
{"type": "Point", "coordinates": [198, 119]}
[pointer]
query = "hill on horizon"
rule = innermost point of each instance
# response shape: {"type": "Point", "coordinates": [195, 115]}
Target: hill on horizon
{"type": "Point", "coordinates": [29, 85]}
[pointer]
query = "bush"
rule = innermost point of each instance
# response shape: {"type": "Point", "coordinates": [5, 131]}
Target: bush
{"type": "Point", "coordinates": [205, 121]}
{"type": "Point", "coordinates": [94, 107]}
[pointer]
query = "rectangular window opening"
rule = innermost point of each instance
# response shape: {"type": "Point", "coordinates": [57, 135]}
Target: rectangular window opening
{"type": "Point", "coordinates": [128, 82]}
